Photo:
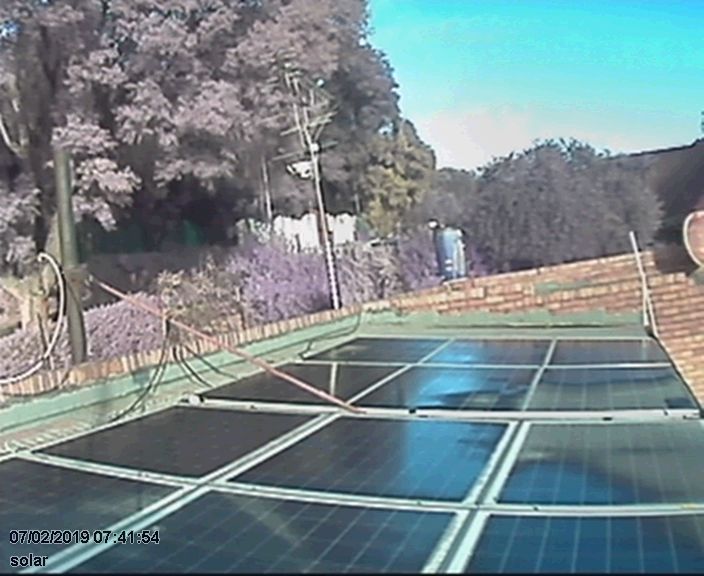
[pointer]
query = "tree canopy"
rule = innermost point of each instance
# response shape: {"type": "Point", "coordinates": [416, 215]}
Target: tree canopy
{"type": "Point", "coordinates": [160, 106]}
{"type": "Point", "coordinates": [561, 201]}
{"type": "Point", "coordinates": [179, 109]}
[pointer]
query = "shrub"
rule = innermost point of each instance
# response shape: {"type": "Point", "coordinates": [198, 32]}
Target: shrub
{"type": "Point", "coordinates": [260, 282]}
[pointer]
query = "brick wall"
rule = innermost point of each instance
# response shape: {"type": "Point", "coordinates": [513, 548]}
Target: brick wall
{"type": "Point", "coordinates": [94, 371]}
{"type": "Point", "coordinates": [610, 284]}
{"type": "Point", "coordinates": [607, 284]}
{"type": "Point", "coordinates": [679, 309]}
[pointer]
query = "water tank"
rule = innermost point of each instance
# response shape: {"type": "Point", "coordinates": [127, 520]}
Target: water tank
{"type": "Point", "coordinates": [694, 236]}
{"type": "Point", "coordinates": [449, 250]}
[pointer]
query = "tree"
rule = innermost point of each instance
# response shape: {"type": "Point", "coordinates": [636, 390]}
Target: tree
{"type": "Point", "coordinates": [158, 106]}
{"type": "Point", "coordinates": [366, 106]}
{"type": "Point", "coordinates": [560, 201]}
{"type": "Point", "coordinates": [451, 199]}
{"type": "Point", "coordinates": [400, 174]}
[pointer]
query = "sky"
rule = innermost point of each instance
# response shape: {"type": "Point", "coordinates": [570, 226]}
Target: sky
{"type": "Point", "coordinates": [481, 78]}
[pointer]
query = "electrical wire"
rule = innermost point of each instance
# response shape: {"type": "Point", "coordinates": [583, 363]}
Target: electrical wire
{"type": "Point", "coordinates": [188, 369]}
{"type": "Point", "coordinates": [209, 364]}
{"type": "Point", "coordinates": [61, 282]}
{"type": "Point", "coordinates": [154, 380]}
{"type": "Point", "coordinates": [336, 333]}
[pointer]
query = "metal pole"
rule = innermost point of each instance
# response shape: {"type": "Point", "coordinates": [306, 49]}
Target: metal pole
{"type": "Point", "coordinates": [329, 256]}
{"type": "Point", "coordinates": [267, 193]}
{"type": "Point", "coordinates": [69, 255]}
{"type": "Point", "coordinates": [647, 303]}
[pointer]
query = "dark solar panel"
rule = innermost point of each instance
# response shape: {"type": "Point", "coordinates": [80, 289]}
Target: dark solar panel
{"type": "Point", "coordinates": [609, 464]}
{"type": "Point", "coordinates": [381, 350]}
{"type": "Point", "coordinates": [458, 388]}
{"type": "Point", "coordinates": [402, 458]}
{"type": "Point", "coordinates": [611, 389]}
{"type": "Point", "coordinates": [493, 352]}
{"type": "Point", "coordinates": [41, 497]}
{"type": "Point", "coordinates": [608, 352]}
{"type": "Point", "coordinates": [666, 545]}
{"type": "Point", "coordinates": [182, 441]}
{"type": "Point", "coordinates": [262, 387]}
{"type": "Point", "coordinates": [223, 533]}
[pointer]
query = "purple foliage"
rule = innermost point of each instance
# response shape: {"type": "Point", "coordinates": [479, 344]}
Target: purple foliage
{"type": "Point", "coordinates": [120, 329]}
{"type": "Point", "coordinates": [417, 261]}
{"type": "Point", "coordinates": [476, 263]}
{"type": "Point", "coordinates": [113, 330]}
{"type": "Point", "coordinates": [274, 284]}
{"type": "Point", "coordinates": [270, 283]}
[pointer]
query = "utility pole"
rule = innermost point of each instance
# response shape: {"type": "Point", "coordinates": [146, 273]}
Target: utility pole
{"type": "Point", "coordinates": [308, 130]}
{"type": "Point", "coordinates": [70, 263]}
{"type": "Point", "coordinates": [266, 189]}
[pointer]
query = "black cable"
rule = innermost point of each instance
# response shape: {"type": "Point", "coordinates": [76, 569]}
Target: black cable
{"type": "Point", "coordinates": [209, 364]}
{"type": "Point", "coordinates": [154, 380]}
{"type": "Point", "coordinates": [337, 333]}
{"type": "Point", "coordinates": [191, 373]}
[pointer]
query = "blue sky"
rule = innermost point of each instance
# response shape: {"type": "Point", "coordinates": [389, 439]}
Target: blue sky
{"type": "Point", "coordinates": [480, 78]}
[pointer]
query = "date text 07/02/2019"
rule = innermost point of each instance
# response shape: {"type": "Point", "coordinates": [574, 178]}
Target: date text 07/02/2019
{"type": "Point", "coordinates": [84, 537]}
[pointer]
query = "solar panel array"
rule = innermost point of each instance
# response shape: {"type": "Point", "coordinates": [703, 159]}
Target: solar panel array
{"type": "Point", "coordinates": [471, 456]}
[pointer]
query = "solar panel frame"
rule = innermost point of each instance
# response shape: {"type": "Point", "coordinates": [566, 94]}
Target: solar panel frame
{"type": "Point", "coordinates": [424, 381]}
{"type": "Point", "coordinates": [66, 499]}
{"type": "Point", "coordinates": [614, 382]}
{"type": "Point", "coordinates": [172, 460]}
{"type": "Point", "coordinates": [407, 350]}
{"type": "Point", "coordinates": [330, 536]}
{"type": "Point", "coordinates": [464, 352]}
{"type": "Point", "coordinates": [275, 390]}
{"type": "Point", "coordinates": [293, 463]}
{"type": "Point", "coordinates": [534, 537]}
{"type": "Point", "coordinates": [492, 479]}
{"type": "Point", "coordinates": [518, 453]}
{"type": "Point", "coordinates": [607, 352]}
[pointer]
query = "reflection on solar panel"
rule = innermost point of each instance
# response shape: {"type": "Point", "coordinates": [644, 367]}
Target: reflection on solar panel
{"type": "Point", "coordinates": [459, 388]}
{"type": "Point", "coordinates": [381, 350]}
{"type": "Point", "coordinates": [611, 389]}
{"type": "Point", "coordinates": [225, 533]}
{"type": "Point", "coordinates": [609, 464]}
{"type": "Point", "coordinates": [608, 352]}
{"type": "Point", "coordinates": [405, 459]}
{"type": "Point", "coordinates": [390, 491]}
{"type": "Point", "coordinates": [262, 387]}
{"type": "Point", "coordinates": [40, 497]}
{"type": "Point", "coordinates": [649, 544]}
{"type": "Point", "coordinates": [493, 352]}
{"type": "Point", "coordinates": [184, 441]}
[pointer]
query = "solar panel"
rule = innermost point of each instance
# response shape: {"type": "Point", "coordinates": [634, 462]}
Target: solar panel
{"type": "Point", "coordinates": [262, 387]}
{"type": "Point", "coordinates": [400, 350]}
{"type": "Point", "coordinates": [43, 497]}
{"type": "Point", "coordinates": [612, 464]}
{"type": "Point", "coordinates": [608, 352]}
{"type": "Point", "coordinates": [611, 389]}
{"type": "Point", "coordinates": [638, 464]}
{"type": "Point", "coordinates": [466, 352]}
{"type": "Point", "coordinates": [652, 544]}
{"type": "Point", "coordinates": [455, 388]}
{"type": "Point", "coordinates": [181, 441]}
{"type": "Point", "coordinates": [398, 458]}
{"type": "Point", "coordinates": [224, 533]}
